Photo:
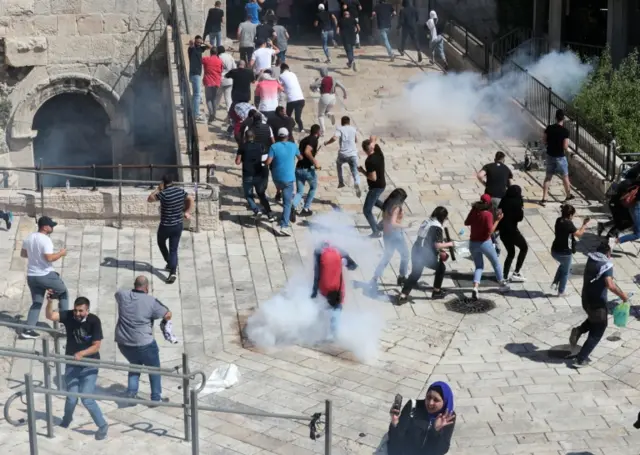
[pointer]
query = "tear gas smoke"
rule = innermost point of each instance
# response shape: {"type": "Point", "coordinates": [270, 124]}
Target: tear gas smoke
{"type": "Point", "coordinates": [292, 317]}
{"type": "Point", "coordinates": [434, 102]}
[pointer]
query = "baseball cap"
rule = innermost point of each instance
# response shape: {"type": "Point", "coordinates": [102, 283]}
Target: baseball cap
{"type": "Point", "coordinates": [485, 198]}
{"type": "Point", "coordinates": [283, 132]}
{"type": "Point", "coordinates": [320, 7]}
{"type": "Point", "coordinates": [46, 221]}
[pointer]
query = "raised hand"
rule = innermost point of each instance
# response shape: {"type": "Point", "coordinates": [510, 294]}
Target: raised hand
{"type": "Point", "coordinates": [444, 419]}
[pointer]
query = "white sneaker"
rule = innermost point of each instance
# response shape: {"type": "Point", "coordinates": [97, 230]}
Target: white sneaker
{"type": "Point", "coordinates": [517, 277]}
{"type": "Point", "coordinates": [285, 231]}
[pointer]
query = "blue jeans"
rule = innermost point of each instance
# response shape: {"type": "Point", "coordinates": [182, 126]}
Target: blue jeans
{"type": "Point", "coordinates": [38, 285]}
{"type": "Point", "coordinates": [557, 166]}
{"type": "Point", "coordinates": [635, 216]}
{"type": "Point", "coordinates": [436, 48]}
{"type": "Point", "coordinates": [327, 35]}
{"type": "Point", "coordinates": [215, 37]}
{"type": "Point", "coordinates": [372, 199]}
{"type": "Point", "coordinates": [258, 183]}
{"type": "Point", "coordinates": [82, 380]}
{"type": "Point", "coordinates": [564, 268]}
{"type": "Point", "coordinates": [149, 356]}
{"type": "Point", "coordinates": [348, 49]}
{"type": "Point", "coordinates": [172, 234]}
{"type": "Point", "coordinates": [353, 165]}
{"type": "Point", "coordinates": [303, 176]}
{"type": "Point", "coordinates": [393, 241]}
{"type": "Point", "coordinates": [196, 82]}
{"type": "Point", "coordinates": [384, 37]}
{"type": "Point", "coordinates": [287, 198]}
{"type": "Point", "coordinates": [282, 56]}
{"type": "Point", "coordinates": [478, 251]}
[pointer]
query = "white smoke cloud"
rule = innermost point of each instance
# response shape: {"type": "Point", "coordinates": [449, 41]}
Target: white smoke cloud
{"type": "Point", "coordinates": [433, 102]}
{"type": "Point", "coordinates": [291, 317]}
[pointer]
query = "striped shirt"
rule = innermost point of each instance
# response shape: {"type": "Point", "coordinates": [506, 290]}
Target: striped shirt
{"type": "Point", "coordinates": [172, 205]}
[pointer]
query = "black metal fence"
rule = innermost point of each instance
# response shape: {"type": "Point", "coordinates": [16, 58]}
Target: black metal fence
{"type": "Point", "coordinates": [193, 144]}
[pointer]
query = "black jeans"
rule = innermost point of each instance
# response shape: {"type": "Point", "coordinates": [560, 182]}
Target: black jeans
{"type": "Point", "coordinates": [296, 106]}
{"type": "Point", "coordinates": [348, 49]}
{"type": "Point", "coordinates": [172, 234]}
{"type": "Point", "coordinates": [418, 264]}
{"type": "Point", "coordinates": [259, 184]}
{"type": "Point", "coordinates": [511, 240]}
{"type": "Point", "coordinates": [595, 325]}
{"type": "Point", "coordinates": [210, 94]}
{"type": "Point", "coordinates": [409, 33]}
{"type": "Point", "coordinates": [246, 53]}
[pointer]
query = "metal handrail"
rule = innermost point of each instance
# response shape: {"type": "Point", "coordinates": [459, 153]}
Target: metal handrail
{"type": "Point", "coordinates": [191, 408]}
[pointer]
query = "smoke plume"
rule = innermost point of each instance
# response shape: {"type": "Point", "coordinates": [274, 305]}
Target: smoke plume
{"type": "Point", "coordinates": [434, 102]}
{"type": "Point", "coordinates": [292, 317]}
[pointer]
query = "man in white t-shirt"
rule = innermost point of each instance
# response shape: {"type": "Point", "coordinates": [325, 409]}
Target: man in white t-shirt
{"type": "Point", "coordinates": [295, 97]}
{"type": "Point", "coordinates": [41, 277]}
{"type": "Point", "coordinates": [436, 44]}
{"type": "Point", "coordinates": [262, 57]}
{"type": "Point", "coordinates": [347, 136]}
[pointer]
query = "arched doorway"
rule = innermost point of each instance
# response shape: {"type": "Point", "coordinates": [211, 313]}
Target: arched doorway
{"type": "Point", "coordinates": [72, 130]}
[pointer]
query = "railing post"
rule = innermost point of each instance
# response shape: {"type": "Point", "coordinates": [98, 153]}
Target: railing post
{"type": "Point", "coordinates": [195, 444]}
{"type": "Point", "coordinates": [197, 199]}
{"type": "Point", "coordinates": [56, 348]}
{"type": "Point", "coordinates": [41, 186]}
{"type": "Point", "coordinates": [31, 415]}
{"type": "Point", "coordinates": [185, 397]}
{"type": "Point", "coordinates": [47, 385]}
{"type": "Point", "coordinates": [120, 196]}
{"type": "Point", "coordinates": [38, 175]}
{"type": "Point", "coordinates": [328, 432]}
{"type": "Point", "coordinates": [577, 134]}
{"type": "Point", "coordinates": [466, 41]}
{"type": "Point", "coordinates": [151, 176]}
{"type": "Point", "coordinates": [549, 105]}
{"type": "Point", "coordinates": [93, 173]}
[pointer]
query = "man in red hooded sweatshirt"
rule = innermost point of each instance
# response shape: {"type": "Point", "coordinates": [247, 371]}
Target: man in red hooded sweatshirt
{"type": "Point", "coordinates": [328, 278]}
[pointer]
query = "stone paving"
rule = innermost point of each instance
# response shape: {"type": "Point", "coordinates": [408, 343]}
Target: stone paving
{"type": "Point", "coordinates": [511, 397]}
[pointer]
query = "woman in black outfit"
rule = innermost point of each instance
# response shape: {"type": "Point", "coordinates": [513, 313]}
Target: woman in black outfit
{"type": "Point", "coordinates": [512, 206]}
{"type": "Point", "coordinates": [424, 427]}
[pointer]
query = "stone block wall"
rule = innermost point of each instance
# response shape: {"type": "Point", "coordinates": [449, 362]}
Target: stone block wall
{"type": "Point", "coordinates": [86, 207]}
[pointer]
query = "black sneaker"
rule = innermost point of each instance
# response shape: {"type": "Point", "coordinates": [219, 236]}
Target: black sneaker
{"type": "Point", "coordinates": [419, 58]}
{"type": "Point", "coordinates": [293, 216]}
{"type": "Point", "coordinates": [65, 422]}
{"type": "Point", "coordinates": [435, 295]}
{"type": "Point", "coordinates": [376, 235]}
{"type": "Point", "coordinates": [257, 214]}
{"type": "Point", "coordinates": [167, 268]}
{"type": "Point", "coordinates": [172, 278]}
{"type": "Point", "coordinates": [402, 299]}
{"type": "Point", "coordinates": [401, 280]}
{"type": "Point", "coordinates": [569, 198]}
{"type": "Point", "coordinates": [581, 363]}
{"type": "Point", "coordinates": [102, 432]}
{"type": "Point", "coordinates": [8, 219]}
{"type": "Point", "coordinates": [306, 212]}
{"type": "Point", "coordinates": [271, 217]}
{"type": "Point", "coordinates": [29, 335]}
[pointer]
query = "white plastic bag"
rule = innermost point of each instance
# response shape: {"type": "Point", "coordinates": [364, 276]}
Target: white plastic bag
{"type": "Point", "coordinates": [462, 249]}
{"type": "Point", "coordinates": [221, 379]}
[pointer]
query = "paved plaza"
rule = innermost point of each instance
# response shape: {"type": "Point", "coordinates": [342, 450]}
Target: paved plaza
{"type": "Point", "coordinates": [511, 397]}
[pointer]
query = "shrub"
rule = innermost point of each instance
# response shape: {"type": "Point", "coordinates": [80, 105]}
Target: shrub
{"type": "Point", "coordinates": [610, 98]}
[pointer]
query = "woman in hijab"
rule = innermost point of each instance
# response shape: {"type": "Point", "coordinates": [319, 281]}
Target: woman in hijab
{"type": "Point", "coordinates": [424, 427]}
{"type": "Point", "coordinates": [393, 236]}
{"type": "Point", "coordinates": [512, 206]}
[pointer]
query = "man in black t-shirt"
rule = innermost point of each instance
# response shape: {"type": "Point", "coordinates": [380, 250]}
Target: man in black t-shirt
{"type": "Point", "coordinates": [255, 175]}
{"type": "Point", "coordinates": [281, 120]}
{"type": "Point", "coordinates": [496, 178]}
{"type": "Point", "coordinates": [556, 137]}
{"type": "Point", "coordinates": [348, 29]}
{"type": "Point", "coordinates": [84, 336]}
{"type": "Point", "coordinates": [213, 25]}
{"type": "Point", "coordinates": [383, 12]}
{"type": "Point", "coordinates": [306, 171]}
{"type": "Point", "coordinates": [373, 170]}
{"type": "Point", "coordinates": [598, 278]}
{"type": "Point", "coordinates": [242, 78]}
{"type": "Point", "coordinates": [327, 22]}
{"type": "Point", "coordinates": [408, 22]}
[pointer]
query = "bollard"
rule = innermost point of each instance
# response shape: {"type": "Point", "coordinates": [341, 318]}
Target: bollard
{"type": "Point", "coordinates": [185, 397]}
{"type": "Point", "coordinates": [31, 415]}
{"type": "Point", "coordinates": [195, 444]}
{"type": "Point", "coordinates": [327, 427]}
{"type": "Point", "coordinates": [47, 385]}
{"type": "Point", "coordinates": [56, 349]}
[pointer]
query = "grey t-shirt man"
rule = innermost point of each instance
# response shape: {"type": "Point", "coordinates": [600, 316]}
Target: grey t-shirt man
{"type": "Point", "coordinates": [281, 37]}
{"type": "Point", "coordinates": [346, 135]}
{"type": "Point", "coordinates": [247, 34]}
{"type": "Point", "coordinates": [136, 313]}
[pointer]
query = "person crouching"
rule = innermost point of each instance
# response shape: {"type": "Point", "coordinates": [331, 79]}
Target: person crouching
{"type": "Point", "coordinates": [328, 279]}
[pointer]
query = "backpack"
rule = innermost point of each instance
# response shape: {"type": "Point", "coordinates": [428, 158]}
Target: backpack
{"type": "Point", "coordinates": [331, 284]}
{"type": "Point", "coordinates": [629, 198]}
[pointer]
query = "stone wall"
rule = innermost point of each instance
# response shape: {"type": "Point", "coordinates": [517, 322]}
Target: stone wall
{"type": "Point", "coordinates": [86, 207]}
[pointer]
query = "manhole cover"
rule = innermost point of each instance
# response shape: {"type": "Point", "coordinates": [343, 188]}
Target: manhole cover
{"type": "Point", "coordinates": [466, 305]}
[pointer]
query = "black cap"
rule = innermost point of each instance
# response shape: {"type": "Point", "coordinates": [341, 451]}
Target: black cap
{"type": "Point", "coordinates": [46, 221]}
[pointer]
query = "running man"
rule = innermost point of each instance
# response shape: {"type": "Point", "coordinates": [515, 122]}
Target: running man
{"type": "Point", "coordinates": [349, 29]}
{"type": "Point", "coordinates": [327, 86]}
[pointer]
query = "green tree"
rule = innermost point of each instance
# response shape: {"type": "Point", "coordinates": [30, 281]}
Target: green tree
{"type": "Point", "coordinates": [610, 98]}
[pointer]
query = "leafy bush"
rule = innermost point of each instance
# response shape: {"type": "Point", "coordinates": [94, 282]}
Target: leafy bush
{"type": "Point", "coordinates": [5, 110]}
{"type": "Point", "coordinates": [610, 98]}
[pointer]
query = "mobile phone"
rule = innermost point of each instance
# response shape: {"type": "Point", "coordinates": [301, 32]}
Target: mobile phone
{"type": "Point", "coordinates": [397, 405]}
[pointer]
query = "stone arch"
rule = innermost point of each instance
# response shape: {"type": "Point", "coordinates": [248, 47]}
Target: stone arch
{"type": "Point", "coordinates": [40, 91]}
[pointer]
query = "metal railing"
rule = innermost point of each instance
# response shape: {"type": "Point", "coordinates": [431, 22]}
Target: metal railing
{"type": "Point", "coordinates": [190, 405]}
{"type": "Point", "coordinates": [189, 120]}
{"type": "Point", "coordinates": [503, 47]}
{"type": "Point", "coordinates": [120, 182]}
{"type": "Point", "coordinates": [584, 51]}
